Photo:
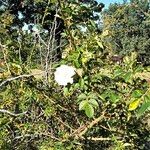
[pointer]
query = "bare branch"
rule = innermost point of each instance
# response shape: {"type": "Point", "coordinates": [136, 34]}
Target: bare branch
{"type": "Point", "coordinates": [36, 135]}
{"type": "Point", "coordinates": [12, 114]}
{"type": "Point", "coordinates": [20, 76]}
{"type": "Point", "coordinates": [83, 129]}
{"type": "Point", "coordinates": [101, 138]}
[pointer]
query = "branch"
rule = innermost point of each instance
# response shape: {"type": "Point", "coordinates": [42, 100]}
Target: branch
{"type": "Point", "coordinates": [91, 125]}
{"type": "Point", "coordinates": [36, 135]}
{"type": "Point", "coordinates": [102, 138]}
{"type": "Point", "coordinates": [14, 78]}
{"type": "Point", "coordinates": [83, 129]}
{"type": "Point", "coordinates": [20, 76]}
{"type": "Point", "coordinates": [12, 114]}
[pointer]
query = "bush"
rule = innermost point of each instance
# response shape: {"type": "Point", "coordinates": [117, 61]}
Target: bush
{"type": "Point", "coordinates": [106, 106]}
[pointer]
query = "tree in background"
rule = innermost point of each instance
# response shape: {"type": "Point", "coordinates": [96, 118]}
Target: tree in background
{"type": "Point", "coordinates": [41, 14]}
{"type": "Point", "coordinates": [129, 28]}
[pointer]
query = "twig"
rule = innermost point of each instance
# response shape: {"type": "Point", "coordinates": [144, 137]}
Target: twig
{"type": "Point", "coordinates": [12, 114]}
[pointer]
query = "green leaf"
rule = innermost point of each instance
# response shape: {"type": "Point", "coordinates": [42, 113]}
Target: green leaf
{"type": "Point", "coordinates": [82, 105]}
{"type": "Point", "coordinates": [81, 83]}
{"type": "Point", "coordinates": [133, 56]}
{"type": "Point", "coordinates": [128, 77]}
{"type": "Point", "coordinates": [136, 93]}
{"type": "Point", "coordinates": [93, 102]}
{"type": "Point", "coordinates": [134, 104]}
{"type": "Point", "coordinates": [113, 97]}
{"type": "Point", "coordinates": [93, 23]}
{"type": "Point", "coordinates": [82, 96]}
{"type": "Point", "coordinates": [66, 91]}
{"type": "Point", "coordinates": [92, 95]}
{"type": "Point", "coordinates": [89, 110]}
{"type": "Point", "coordinates": [104, 95]}
{"type": "Point", "coordinates": [145, 106]}
{"type": "Point", "coordinates": [118, 72]}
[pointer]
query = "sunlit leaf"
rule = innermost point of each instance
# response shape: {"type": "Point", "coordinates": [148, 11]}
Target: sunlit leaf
{"type": "Point", "coordinates": [145, 106]}
{"type": "Point", "coordinates": [89, 110]}
{"type": "Point", "coordinates": [128, 116]}
{"type": "Point", "coordinates": [114, 97]}
{"type": "Point", "coordinates": [93, 102]}
{"type": "Point", "coordinates": [79, 72]}
{"type": "Point", "coordinates": [37, 73]}
{"type": "Point", "coordinates": [82, 96]}
{"type": "Point", "coordinates": [137, 93]}
{"type": "Point", "coordinates": [100, 44]}
{"type": "Point", "coordinates": [66, 91]}
{"type": "Point", "coordinates": [143, 76]}
{"type": "Point", "coordinates": [134, 104]}
{"type": "Point", "coordinates": [105, 33]}
{"type": "Point", "coordinates": [82, 105]}
{"type": "Point", "coordinates": [128, 77]}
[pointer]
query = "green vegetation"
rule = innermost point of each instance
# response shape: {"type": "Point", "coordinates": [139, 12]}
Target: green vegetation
{"type": "Point", "coordinates": [107, 105]}
{"type": "Point", "coordinates": [129, 29]}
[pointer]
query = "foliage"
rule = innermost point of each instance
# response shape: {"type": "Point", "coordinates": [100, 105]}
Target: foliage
{"type": "Point", "coordinates": [128, 26]}
{"type": "Point", "coordinates": [107, 105]}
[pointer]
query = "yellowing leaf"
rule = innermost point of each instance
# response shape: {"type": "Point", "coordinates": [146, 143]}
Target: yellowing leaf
{"type": "Point", "coordinates": [134, 104]}
{"type": "Point", "coordinates": [100, 44]}
{"type": "Point", "coordinates": [105, 33]}
{"type": "Point", "coordinates": [79, 72]}
{"type": "Point", "coordinates": [16, 69]}
{"type": "Point", "coordinates": [38, 74]}
{"type": "Point", "coordinates": [143, 76]}
{"type": "Point", "coordinates": [128, 116]}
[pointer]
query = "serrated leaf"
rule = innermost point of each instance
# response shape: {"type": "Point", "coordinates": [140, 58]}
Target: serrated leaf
{"type": "Point", "coordinates": [93, 102]}
{"type": "Point", "coordinates": [89, 110]}
{"type": "Point", "coordinates": [133, 56]}
{"type": "Point", "coordinates": [134, 104]}
{"type": "Point", "coordinates": [82, 105]}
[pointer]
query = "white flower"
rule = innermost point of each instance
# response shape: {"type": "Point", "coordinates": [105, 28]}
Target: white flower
{"type": "Point", "coordinates": [64, 74]}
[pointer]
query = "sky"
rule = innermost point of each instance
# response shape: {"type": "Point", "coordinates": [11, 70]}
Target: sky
{"type": "Point", "coordinates": [107, 2]}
